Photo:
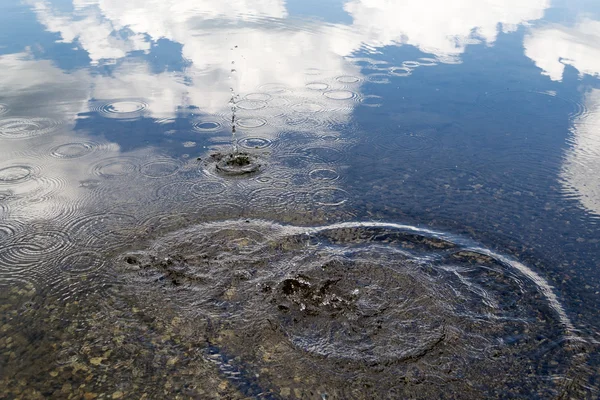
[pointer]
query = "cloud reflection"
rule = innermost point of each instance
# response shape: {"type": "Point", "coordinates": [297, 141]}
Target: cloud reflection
{"type": "Point", "coordinates": [582, 161]}
{"type": "Point", "coordinates": [267, 49]}
{"type": "Point", "coordinates": [554, 47]}
{"type": "Point", "coordinates": [442, 28]}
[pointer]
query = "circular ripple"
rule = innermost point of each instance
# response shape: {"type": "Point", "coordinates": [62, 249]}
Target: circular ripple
{"type": "Point", "coordinates": [34, 251]}
{"type": "Point", "coordinates": [7, 233]}
{"type": "Point", "coordinates": [255, 143]}
{"type": "Point", "coordinates": [208, 188]}
{"type": "Point", "coordinates": [307, 107]}
{"type": "Point", "coordinates": [3, 109]}
{"type": "Point", "coordinates": [400, 71]}
{"type": "Point", "coordinates": [276, 199]}
{"type": "Point", "coordinates": [15, 174]}
{"type": "Point", "coordinates": [410, 64]}
{"type": "Point", "coordinates": [24, 128]}
{"type": "Point", "coordinates": [376, 301]}
{"type": "Point", "coordinates": [330, 197]}
{"type": "Point", "coordinates": [160, 168]}
{"type": "Point", "coordinates": [302, 122]}
{"type": "Point", "coordinates": [312, 71]}
{"type": "Point", "coordinates": [258, 97]}
{"type": "Point", "coordinates": [116, 167]}
{"type": "Point", "coordinates": [123, 109]}
{"type": "Point", "coordinates": [82, 262]}
{"type": "Point", "coordinates": [427, 62]}
{"type": "Point", "coordinates": [207, 126]}
{"type": "Point", "coordinates": [274, 88]}
{"type": "Point", "coordinates": [323, 174]}
{"type": "Point", "coordinates": [340, 94]}
{"type": "Point", "coordinates": [179, 192]}
{"type": "Point", "coordinates": [320, 154]}
{"type": "Point", "coordinates": [348, 79]}
{"type": "Point", "coordinates": [317, 86]}
{"type": "Point", "coordinates": [72, 150]}
{"type": "Point", "coordinates": [251, 122]}
{"type": "Point", "coordinates": [251, 104]}
{"type": "Point", "coordinates": [371, 101]}
{"type": "Point", "coordinates": [103, 230]}
{"type": "Point", "coordinates": [379, 78]}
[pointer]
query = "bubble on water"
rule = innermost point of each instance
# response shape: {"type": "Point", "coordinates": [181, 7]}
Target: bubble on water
{"type": "Point", "coordinates": [25, 128]}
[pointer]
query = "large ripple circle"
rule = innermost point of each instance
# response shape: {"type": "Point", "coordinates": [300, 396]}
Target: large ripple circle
{"type": "Point", "coordinates": [398, 308]}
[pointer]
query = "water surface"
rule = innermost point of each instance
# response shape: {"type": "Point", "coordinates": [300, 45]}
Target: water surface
{"type": "Point", "coordinates": [419, 219]}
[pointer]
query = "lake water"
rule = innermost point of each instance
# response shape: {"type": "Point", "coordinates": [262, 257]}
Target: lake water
{"type": "Point", "coordinates": [317, 200]}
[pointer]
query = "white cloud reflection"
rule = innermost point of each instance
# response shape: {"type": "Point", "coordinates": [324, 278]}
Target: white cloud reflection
{"type": "Point", "coordinates": [581, 166]}
{"type": "Point", "coordinates": [554, 47]}
{"type": "Point", "coordinates": [443, 28]}
{"type": "Point", "coordinates": [267, 50]}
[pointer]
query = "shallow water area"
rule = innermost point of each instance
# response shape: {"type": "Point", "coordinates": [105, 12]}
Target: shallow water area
{"type": "Point", "coordinates": [395, 307]}
{"type": "Point", "coordinates": [278, 199]}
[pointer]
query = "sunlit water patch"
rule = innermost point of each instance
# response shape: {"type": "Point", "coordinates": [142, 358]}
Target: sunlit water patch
{"type": "Point", "coordinates": [402, 310]}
